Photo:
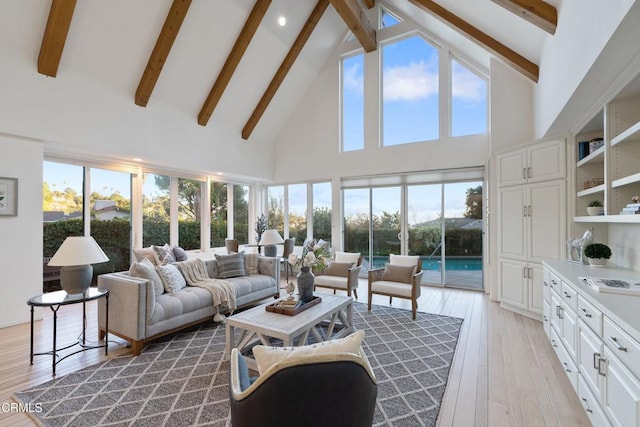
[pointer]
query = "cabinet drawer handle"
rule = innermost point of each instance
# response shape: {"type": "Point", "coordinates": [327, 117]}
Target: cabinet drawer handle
{"type": "Point", "coordinates": [600, 367]}
{"type": "Point", "coordinates": [619, 346]}
{"type": "Point", "coordinates": [545, 283]}
{"type": "Point", "coordinates": [545, 318]}
{"type": "Point", "coordinates": [586, 314]}
{"type": "Point", "coordinates": [566, 294]}
{"type": "Point", "coordinates": [559, 312]}
{"type": "Point", "coordinates": [524, 173]}
{"type": "Point", "coordinates": [529, 172]}
{"type": "Point", "coordinates": [553, 282]}
{"type": "Point", "coordinates": [596, 361]}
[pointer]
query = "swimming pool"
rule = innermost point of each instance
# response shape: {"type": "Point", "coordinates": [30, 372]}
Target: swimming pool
{"type": "Point", "coordinates": [452, 263]}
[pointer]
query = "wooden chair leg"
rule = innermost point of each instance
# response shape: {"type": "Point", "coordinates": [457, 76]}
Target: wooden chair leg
{"type": "Point", "coordinates": [414, 308]}
{"type": "Point", "coordinates": [390, 299]}
{"type": "Point", "coordinates": [334, 291]}
{"type": "Point", "coordinates": [369, 301]}
{"type": "Point", "coordinates": [355, 292]}
{"type": "Point", "coordinates": [101, 334]}
{"type": "Point", "coordinates": [136, 347]}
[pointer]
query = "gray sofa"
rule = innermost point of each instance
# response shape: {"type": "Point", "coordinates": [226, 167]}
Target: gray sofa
{"type": "Point", "coordinates": [138, 315]}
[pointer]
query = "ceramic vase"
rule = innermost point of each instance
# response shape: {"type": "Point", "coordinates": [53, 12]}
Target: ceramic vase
{"type": "Point", "coordinates": [305, 284]}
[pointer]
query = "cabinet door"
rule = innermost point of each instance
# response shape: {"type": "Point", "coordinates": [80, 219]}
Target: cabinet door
{"type": "Point", "coordinates": [512, 168]}
{"type": "Point", "coordinates": [535, 289]}
{"type": "Point", "coordinates": [547, 219]}
{"type": "Point", "coordinates": [589, 352]}
{"type": "Point", "coordinates": [514, 283]}
{"type": "Point", "coordinates": [621, 399]}
{"type": "Point", "coordinates": [590, 404]}
{"type": "Point", "coordinates": [546, 161]}
{"type": "Point", "coordinates": [569, 330]}
{"type": "Point", "coordinates": [513, 232]}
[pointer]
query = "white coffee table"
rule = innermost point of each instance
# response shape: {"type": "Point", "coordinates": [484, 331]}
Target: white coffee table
{"type": "Point", "coordinates": [260, 324]}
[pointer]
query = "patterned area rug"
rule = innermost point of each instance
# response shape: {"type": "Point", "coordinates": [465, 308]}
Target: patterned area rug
{"type": "Point", "coordinates": [183, 379]}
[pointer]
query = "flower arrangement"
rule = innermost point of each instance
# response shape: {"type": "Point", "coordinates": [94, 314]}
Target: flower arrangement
{"type": "Point", "coordinates": [314, 257]}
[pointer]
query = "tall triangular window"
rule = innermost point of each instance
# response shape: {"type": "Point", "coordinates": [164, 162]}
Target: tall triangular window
{"type": "Point", "coordinates": [387, 19]}
{"type": "Point", "coordinates": [468, 101]}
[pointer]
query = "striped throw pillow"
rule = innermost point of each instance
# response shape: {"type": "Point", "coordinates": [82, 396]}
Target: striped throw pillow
{"type": "Point", "coordinates": [230, 265]}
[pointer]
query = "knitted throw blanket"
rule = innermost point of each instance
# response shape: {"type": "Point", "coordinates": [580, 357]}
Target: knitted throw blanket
{"type": "Point", "coordinates": [222, 291]}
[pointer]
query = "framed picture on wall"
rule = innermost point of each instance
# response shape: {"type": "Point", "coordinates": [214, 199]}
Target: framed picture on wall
{"type": "Point", "coordinates": [8, 196]}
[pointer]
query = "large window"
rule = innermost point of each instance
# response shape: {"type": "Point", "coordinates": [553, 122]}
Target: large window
{"type": "Point", "coordinates": [297, 212]}
{"type": "Point", "coordinates": [155, 209]}
{"type": "Point", "coordinates": [410, 104]}
{"type": "Point", "coordinates": [468, 101]}
{"type": "Point", "coordinates": [322, 211]}
{"type": "Point", "coordinates": [218, 197]}
{"type": "Point", "coordinates": [189, 213]}
{"type": "Point", "coordinates": [353, 103]}
{"type": "Point", "coordinates": [241, 213]}
{"type": "Point", "coordinates": [275, 208]}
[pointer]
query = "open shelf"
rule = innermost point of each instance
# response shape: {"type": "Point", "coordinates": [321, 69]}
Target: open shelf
{"type": "Point", "coordinates": [592, 190]}
{"type": "Point", "coordinates": [595, 157]}
{"type": "Point", "coordinates": [608, 218]}
{"type": "Point", "coordinates": [633, 133]}
{"type": "Point", "coordinates": [631, 179]}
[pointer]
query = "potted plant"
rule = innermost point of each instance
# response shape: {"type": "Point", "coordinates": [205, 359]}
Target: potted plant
{"type": "Point", "coordinates": [597, 253]}
{"type": "Point", "coordinates": [594, 207]}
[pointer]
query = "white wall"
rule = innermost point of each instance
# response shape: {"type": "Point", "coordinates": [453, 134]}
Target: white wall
{"type": "Point", "coordinates": [623, 239]}
{"type": "Point", "coordinates": [21, 235]}
{"type": "Point", "coordinates": [584, 28]}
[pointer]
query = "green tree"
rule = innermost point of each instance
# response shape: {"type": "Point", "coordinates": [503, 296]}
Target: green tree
{"type": "Point", "coordinates": [474, 203]}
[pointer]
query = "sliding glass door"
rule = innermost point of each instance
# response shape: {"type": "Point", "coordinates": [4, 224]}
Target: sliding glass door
{"type": "Point", "coordinates": [441, 222]}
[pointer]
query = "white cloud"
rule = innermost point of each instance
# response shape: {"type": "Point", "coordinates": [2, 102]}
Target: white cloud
{"type": "Point", "coordinates": [410, 82]}
{"type": "Point", "coordinates": [467, 85]}
{"type": "Point", "coordinates": [352, 79]}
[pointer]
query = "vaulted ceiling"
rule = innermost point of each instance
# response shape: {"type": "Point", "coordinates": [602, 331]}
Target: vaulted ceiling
{"type": "Point", "coordinates": [229, 60]}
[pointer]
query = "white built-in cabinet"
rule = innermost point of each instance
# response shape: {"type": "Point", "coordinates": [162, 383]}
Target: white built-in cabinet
{"type": "Point", "coordinates": [532, 209]}
{"type": "Point", "coordinates": [596, 337]}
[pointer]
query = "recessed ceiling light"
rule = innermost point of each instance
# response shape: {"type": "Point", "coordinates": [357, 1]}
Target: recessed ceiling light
{"type": "Point", "coordinates": [282, 21]}
{"type": "Point", "coordinates": [219, 173]}
{"type": "Point", "coordinates": [137, 159]}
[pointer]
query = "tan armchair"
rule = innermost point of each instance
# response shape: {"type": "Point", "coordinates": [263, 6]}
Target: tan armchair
{"type": "Point", "coordinates": [341, 273]}
{"type": "Point", "coordinates": [400, 278]}
{"type": "Point", "coordinates": [232, 246]}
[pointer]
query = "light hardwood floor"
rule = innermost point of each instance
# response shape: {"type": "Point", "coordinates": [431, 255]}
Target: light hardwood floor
{"type": "Point", "coordinates": [504, 373]}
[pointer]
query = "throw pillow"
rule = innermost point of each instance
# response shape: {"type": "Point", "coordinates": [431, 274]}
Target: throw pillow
{"type": "Point", "coordinates": [143, 253]}
{"type": "Point", "coordinates": [163, 254]}
{"type": "Point", "coordinates": [338, 268]}
{"type": "Point", "coordinates": [351, 257]}
{"type": "Point", "coordinates": [172, 280]}
{"type": "Point", "coordinates": [230, 265]}
{"type": "Point", "coordinates": [251, 263]}
{"type": "Point", "coordinates": [268, 356]}
{"type": "Point", "coordinates": [398, 273]}
{"type": "Point", "coordinates": [179, 254]}
{"type": "Point", "coordinates": [146, 270]}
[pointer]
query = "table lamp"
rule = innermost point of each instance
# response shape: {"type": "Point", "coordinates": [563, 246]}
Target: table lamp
{"type": "Point", "coordinates": [270, 238]}
{"type": "Point", "coordinates": [75, 256]}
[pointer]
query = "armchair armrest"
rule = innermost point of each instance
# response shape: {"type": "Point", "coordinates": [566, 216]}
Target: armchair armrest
{"type": "Point", "coordinates": [375, 274]}
{"type": "Point", "coordinates": [416, 282]}
{"type": "Point", "coordinates": [352, 278]}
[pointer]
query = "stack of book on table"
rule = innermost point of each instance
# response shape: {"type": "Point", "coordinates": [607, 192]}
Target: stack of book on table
{"type": "Point", "coordinates": [631, 209]}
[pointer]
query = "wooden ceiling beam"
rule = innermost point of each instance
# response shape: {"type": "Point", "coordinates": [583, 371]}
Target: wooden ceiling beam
{"type": "Point", "coordinates": [353, 15]}
{"type": "Point", "coordinates": [161, 50]}
{"type": "Point", "coordinates": [537, 12]}
{"type": "Point", "coordinates": [369, 3]}
{"type": "Point", "coordinates": [230, 65]}
{"type": "Point", "coordinates": [286, 65]}
{"type": "Point", "coordinates": [516, 60]}
{"type": "Point", "coordinates": [55, 36]}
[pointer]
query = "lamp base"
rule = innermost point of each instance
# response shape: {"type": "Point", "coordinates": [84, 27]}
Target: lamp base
{"type": "Point", "coordinates": [270, 250]}
{"type": "Point", "coordinates": [76, 279]}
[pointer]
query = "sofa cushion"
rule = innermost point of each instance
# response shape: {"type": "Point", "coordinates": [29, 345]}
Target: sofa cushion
{"type": "Point", "coordinates": [267, 356]}
{"type": "Point", "coordinates": [407, 260]}
{"type": "Point", "coordinates": [248, 284]}
{"type": "Point", "coordinates": [164, 254]}
{"type": "Point", "coordinates": [331, 281]}
{"type": "Point", "coordinates": [230, 265]}
{"type": "Point", "coordinates": [251, 263]}
{"type": "Point", "coordinates": [189, 299]}
{"type": "Point", "coordinates": [172, 280]}
{"type": "Point", "coordinates": [146, 270]}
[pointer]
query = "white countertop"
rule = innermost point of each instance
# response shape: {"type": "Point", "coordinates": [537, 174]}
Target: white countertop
{"type": "Point", "coordinates": [624, 310]}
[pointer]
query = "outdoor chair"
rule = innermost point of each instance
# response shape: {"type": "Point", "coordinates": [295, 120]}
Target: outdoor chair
{"type": "Point", "coordinates": [232, 246]}
{"type": "Point", "coordinates": [341, 273]}
{"type": "Point", "coordinates": [400, 278]}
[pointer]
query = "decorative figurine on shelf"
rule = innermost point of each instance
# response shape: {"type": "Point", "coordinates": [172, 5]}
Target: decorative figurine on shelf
{"type": "Point", "coordinates": [575, 247]}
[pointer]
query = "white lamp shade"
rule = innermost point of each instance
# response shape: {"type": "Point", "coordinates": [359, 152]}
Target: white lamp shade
{"type": "Point", "coordinates": [78, 250]}
{"type": "Point", "coordinates": [270, 237]}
